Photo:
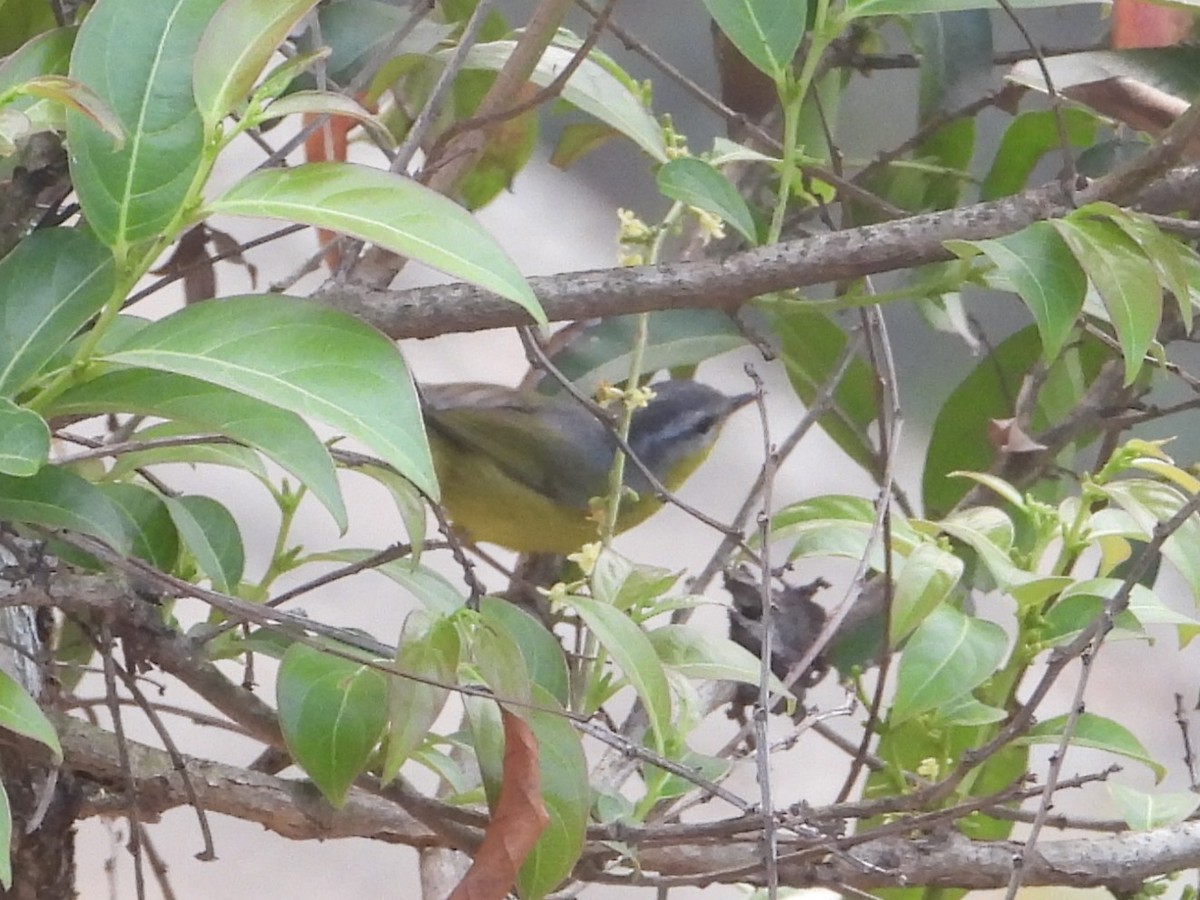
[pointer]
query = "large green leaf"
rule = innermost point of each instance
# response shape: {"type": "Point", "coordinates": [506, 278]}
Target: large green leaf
{"type": "Point", "coordinates": [1037, 263]}
{"type": "Point", "coordinates": [390, 210]}
{"type": "Point", "coordinates": [235, 49]}
{"type": "Point", "coordinates": [332, 712]}
{"type": "Point", "coordinates": [51, 284]}
{"type": "Point", "coordinates": [138, 58]}
{"type": "Point", "coordinates": [766, 32]}
{"type": "Point", "coordinates": [56, 498]}
{"type": "Point", "coordinates": [280, 434]}
{"type": "Point", "coordinates": [300, 356]}
{"type": "Point", "coordinates": [948, 656]}
{"type": "Point", "coordinates": [24, 440]}
{"type": "Point", "coordinates": [628, 645]}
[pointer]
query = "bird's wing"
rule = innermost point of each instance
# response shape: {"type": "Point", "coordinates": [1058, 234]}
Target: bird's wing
{"type": "Point", "coordinates": [566, 461]}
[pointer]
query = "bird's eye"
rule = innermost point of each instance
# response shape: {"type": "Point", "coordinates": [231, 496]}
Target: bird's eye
{"type": "Point", "coordinates": [707, 423]}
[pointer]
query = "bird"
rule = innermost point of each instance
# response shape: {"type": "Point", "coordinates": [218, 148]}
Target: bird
{"type": "Point", "coordinates": [518, 468]}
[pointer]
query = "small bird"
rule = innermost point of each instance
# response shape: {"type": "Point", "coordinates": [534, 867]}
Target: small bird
{"type": "Point", "coordinates": [518, 468]}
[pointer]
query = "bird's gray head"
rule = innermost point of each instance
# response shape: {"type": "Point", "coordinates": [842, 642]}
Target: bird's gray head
{"type": "Point", "coordinates": [680, 423]}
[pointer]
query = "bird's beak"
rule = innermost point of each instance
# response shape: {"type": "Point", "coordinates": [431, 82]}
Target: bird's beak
{"type": "Point", "coordinates": [740, 400]}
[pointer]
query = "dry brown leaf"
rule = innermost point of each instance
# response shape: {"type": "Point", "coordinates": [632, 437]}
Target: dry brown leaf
{"type": "Point", "coordinates": [517, 822]}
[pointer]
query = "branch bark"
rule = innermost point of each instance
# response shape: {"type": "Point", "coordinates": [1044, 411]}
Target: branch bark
{"type": "Point", "coordinates": [727, 284]}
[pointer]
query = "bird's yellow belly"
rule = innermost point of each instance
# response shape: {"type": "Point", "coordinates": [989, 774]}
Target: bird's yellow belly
{"type": "Point", "coordinates": [498, 510]}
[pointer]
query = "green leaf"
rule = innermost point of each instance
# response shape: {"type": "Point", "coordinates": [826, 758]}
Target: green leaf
{"type": "Point", "coordinates": [48, 53]}
{"type": "Point", "coordinates": [632, 651]}
{"type": "Point", "coordinates": [332, 712]}
{"type": "Point", "coordinates": [24, 440]}
{"type": "Point", "coordinates": [415, 705]}
{"type": "Point", "coordinates": [948, 656]}
{"type": "Point", "coordinates": [1150, 502]}
{"type": "Point", "coordinates": [695, 183]}
{"type": "Point", "coordinates": [390, 210]}
{"type": "Point", "coordinates": [928, 577]}
{"type": "Point", "coordinates": [811, 345]}
{"type": "Point", "coordinates": [698, 654]}
{"type": "Point", "coordinates": [1125, 280]}
{"type": "Point", "coordinates": [212, 535]}
{"type": "Point", "coordinates": [56, 498]}
{"type": "Point", "coordinates": [138, 58]}
{"type": "Point", "coordinates": [280, 434]}
{"type": "Point", "coordinates": [235, 48]}
{"type": "Point", "coordinates": [153, 536]}
{"type": "Point", "coordinates": [1028, 138]}
{"type": "Point", "coordinates": [675, 338]}
{"type": "Point", "coordinates": [1142, 811]}
{"type": "Point", "coordinates": [766, 32]}
{"type": "Point", "coordinates": [23, 20]}
{"type": "Point", "coordinates": [20, 714]}
{"type": "Point", "coordinates": [51, 284]}
{"type": "Point", "coordinates": [566, 795]}
{"type": "Point", "coordinates": [1170, 256]}
{"type": "Point", "coordinates": [1037, 263]}
{"type": "Point", "coordinates": [302, 357]}
{"type": "Point", "coordinates": [592, 88]}
{"type": "Point", "coordinates": [1098, 733]}
{"type": "Point", "coordinates": [542, 652]}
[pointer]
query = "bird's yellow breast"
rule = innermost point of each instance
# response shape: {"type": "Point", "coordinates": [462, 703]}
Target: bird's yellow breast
{"type": "Point", "coordinates": [490, 506]}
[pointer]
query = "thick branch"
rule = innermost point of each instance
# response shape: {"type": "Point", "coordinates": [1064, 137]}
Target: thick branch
{"type": "Point", "coordinates": [1122, 861]}
{"type": "Point", "coordinates": [716, 284]}
{"type": "Point", "coordinates": [295, 810]}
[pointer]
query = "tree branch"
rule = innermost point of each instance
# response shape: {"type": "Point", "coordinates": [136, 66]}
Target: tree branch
{"type": "Point", "coordinates": [728, 283]}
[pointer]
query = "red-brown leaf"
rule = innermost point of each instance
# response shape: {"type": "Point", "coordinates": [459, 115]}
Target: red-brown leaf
{"type": "Point", "coordinates": [517, 822]}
